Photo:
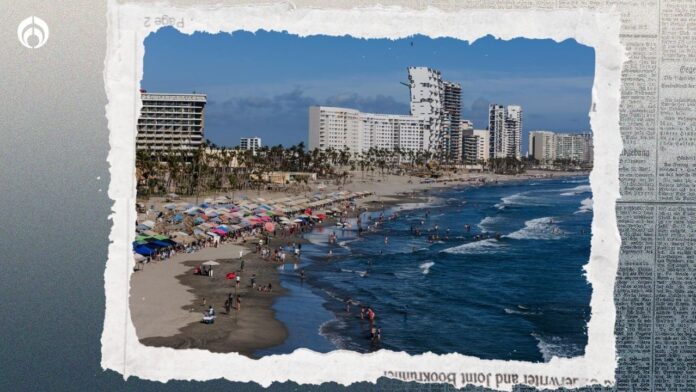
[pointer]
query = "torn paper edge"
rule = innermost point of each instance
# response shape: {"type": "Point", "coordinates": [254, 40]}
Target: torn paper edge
{"type": "Point", "coordinates": [123, 353]}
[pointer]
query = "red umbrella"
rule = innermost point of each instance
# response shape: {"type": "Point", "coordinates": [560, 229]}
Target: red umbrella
{"type": "Point", "coordinates": [230, 276]}
{"type": "Point", "coordinates": [269, 226]}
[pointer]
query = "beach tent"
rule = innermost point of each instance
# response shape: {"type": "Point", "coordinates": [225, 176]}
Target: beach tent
{"type": "Point", "coordinates": [144, 250]}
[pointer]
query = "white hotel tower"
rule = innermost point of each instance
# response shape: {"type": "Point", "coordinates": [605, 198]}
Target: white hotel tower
{"type": "Point", "coordinates": [505, 127]}
{"type": "Point", "coordinates": [171, 122]}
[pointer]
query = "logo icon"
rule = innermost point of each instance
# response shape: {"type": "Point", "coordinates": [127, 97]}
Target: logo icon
{"type": "Point", "coordinates": [32, 32]}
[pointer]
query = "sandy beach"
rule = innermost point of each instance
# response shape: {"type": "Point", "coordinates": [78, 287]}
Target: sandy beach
{"type": "Point", "coordinates": [168, 300]}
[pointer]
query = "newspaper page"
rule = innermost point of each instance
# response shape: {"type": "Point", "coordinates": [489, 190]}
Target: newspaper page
{"type": "Point", "coordinates": [475, 193]}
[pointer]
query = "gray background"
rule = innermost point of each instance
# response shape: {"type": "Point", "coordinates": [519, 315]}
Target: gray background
{"type": "Point", "coordinates": [54, 212]}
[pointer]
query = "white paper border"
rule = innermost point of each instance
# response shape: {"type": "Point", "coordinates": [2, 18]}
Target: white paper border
{"type": "Point", "coordinates": [121, 350]}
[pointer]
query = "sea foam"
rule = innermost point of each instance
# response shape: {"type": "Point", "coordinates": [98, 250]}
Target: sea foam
{"type": "Point", "coordinates": [487, 222]}
{"type": "Point", "coordinates": [554, 346]}
{"type": "Point", "coordinates": [586, 205]}
{"type": "Point", "coordinates": [577, 190]}
{"type": "Point", "coordinates": [425, 267]}
{"type": "Point", "coordinates": [537, 229]}
{"type": "Point", "coordinates": [490, 245]}
{"type": "Point", "coordinates": [516, 199]}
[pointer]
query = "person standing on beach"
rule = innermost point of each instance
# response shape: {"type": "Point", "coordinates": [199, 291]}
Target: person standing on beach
{"type": "Point", "coordinates": [241, 267]}
{"type": "Point", "coordinates": [239, 303]}
{"type": "Point", "coordinates": [253, 281]}
{"type": "Point", "coordinates": [238, 278]}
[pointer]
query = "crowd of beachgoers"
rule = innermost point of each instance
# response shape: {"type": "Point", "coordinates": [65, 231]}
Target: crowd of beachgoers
{"type": "Point", "coordinates": [166, 229]}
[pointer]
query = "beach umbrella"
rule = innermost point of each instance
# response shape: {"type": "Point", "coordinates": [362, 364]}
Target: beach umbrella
{"type": "Point", "coordinates": [211, 263]}
{"type": "Point", "coordinates": [230, 276]}
{"type": "Point", "coordinates": [269, 226]}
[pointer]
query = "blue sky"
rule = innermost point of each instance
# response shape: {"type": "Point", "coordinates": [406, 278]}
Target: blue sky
{"type": "Point", "coordinates": [261, 84]}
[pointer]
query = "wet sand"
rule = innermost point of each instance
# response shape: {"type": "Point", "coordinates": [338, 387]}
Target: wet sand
{"type": "Point", "coordinates": [251, 328]}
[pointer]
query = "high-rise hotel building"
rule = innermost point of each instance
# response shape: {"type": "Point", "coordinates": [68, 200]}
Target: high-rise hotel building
{"type": "Point", "coordinates": [340, 128]}
{"type": "Point", "coordinates": [505, 126]}
{"type": "Point", "coordinates": [547, 146]}
{"type": "Point", "coordinates": [171, 122]}
{"type": "Point", "coordinates": [434, 118]}
{"type": "Point", "coordinates": [440, 101]}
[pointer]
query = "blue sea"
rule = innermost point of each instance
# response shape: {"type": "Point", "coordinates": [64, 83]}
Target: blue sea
{"type": "Point", "coordinates": [512, 286]}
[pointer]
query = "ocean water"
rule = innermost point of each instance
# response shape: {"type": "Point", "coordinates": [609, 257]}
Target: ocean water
{"type": "Point", "coordinates": [519, 292]}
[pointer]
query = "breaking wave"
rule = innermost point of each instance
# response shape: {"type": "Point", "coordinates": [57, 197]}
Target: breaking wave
{"type": "Point", "coordinates": [490, 245]}
{"type": "Point", "coordinates": [554, 346]}
{"type": "Point", "coordinates": [537, 229]}
{"type": "Point", "coordinates": [485, 224]}
{"type": "Point", "coordinates": [425, 267]}
{"type": "Point", "coordinates": [516, 199]}
{"type": "Point", "coordinates": [586, 205]}
{"type": "Point", "coordinates": [577, 190]}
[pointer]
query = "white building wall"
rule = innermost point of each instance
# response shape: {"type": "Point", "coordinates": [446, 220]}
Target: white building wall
{"type": "Point", "coordinates": [513, 131]}
{"type": "Point", "coordinates": [482, 144]}
{"type": "Point", "coordinates": [427, 95]}
{"type": "Point", "coordinates": [337, 128]}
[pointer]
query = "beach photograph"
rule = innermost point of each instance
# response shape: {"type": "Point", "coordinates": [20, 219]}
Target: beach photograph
{"type": "Point", "coordinates": [418, 195]}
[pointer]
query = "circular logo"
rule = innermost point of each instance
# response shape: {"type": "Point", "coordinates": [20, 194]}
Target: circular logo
{"type": "Point", "coordinates": [32, 32]}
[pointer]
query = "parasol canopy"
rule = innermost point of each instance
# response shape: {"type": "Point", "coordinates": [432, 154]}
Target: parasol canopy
{"type": "Point", "coordinates": [211, 263]}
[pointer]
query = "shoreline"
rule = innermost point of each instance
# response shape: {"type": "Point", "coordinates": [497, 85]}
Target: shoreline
{"type": "Point", "coordinates": [167, 315]}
